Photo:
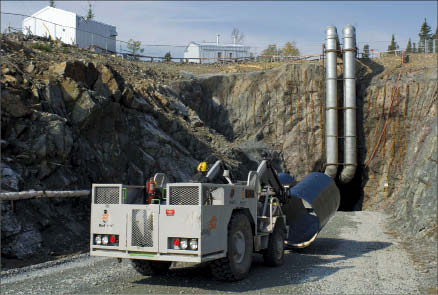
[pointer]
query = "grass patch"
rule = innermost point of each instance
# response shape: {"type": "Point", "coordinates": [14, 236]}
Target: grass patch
{"type": "Point", "coordinates": [42, 47]}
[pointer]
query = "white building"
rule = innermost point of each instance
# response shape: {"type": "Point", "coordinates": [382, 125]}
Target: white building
{"type": "Point", "coordinates": [71, 28]}
{"type": "Point", "coordinates": [215, 52]}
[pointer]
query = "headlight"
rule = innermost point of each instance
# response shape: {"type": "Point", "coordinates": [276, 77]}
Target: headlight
{"type": "Point", "coordinates": [194, 244]}
{"type": "Point", "coordinates": [98, 240]}
{"type": "Point", "coordinates": [105, 240]}
{"type": "Point", "coordinates": [183, 244]}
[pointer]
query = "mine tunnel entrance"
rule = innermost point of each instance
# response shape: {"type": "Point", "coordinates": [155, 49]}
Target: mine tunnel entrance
{"type": "Point", "coordinates": [351, 193]}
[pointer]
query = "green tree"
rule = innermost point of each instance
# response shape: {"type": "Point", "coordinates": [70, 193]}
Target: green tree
{"type": "Point", "coordinates": [52, 3]}
{"type": "Point", "coordinates": [409, 46]}
{"type": "Point", "coordinates": [167, 57]}
{"type": "Point", "coordinates": [366, 51]}
{"type": "Point", "coordinates": [290, 49]}
{"type": "Point", "coordinates": [393, 45]}
{"type": "Point", "coordinates": [271, 50]}
{"type": "Point", "coordinates": [424, 35]}
{"type": "Point", "coordinates": [414, 47]}
{"type": "Point", "coordinates": [134, 48]}
{"type": "Point", "coordinates": [90, 14]}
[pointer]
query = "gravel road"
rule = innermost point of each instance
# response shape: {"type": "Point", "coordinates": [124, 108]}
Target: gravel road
{"type": "Point", "coordinates": [352, 255]}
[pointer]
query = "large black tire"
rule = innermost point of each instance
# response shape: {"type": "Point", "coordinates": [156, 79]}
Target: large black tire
{"type": "Point", "coordinates": [150, 268]}
{"type": "Point", "coordinates": [235, 266]}
{"type": "Point", "coordinates": [274, 255]}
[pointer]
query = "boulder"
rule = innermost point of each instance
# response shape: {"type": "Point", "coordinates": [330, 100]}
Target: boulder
{"type": "Point", "coordinates": [13, 104]}
{"type": "Point", "coordinates": [106, 84]}
{"type": "Point", "coordinates": [77, 70]}
{"type": "Point", "coordinates": [132, 101]}
{"type": "Point", "coordinates": [53, 95]}
{"type": "Point", "coordinates": [10, 80]}
{"type": "Point", "coordinates": [30, 67]}
{"type": "Point", "coordinates": [23, 245]}
{"type": "Point", "coordinates": [70, 90]}
{"type": "Point", "coordinates": [9, 178]}
{"type": "Point", "coordinates": [82, 108]}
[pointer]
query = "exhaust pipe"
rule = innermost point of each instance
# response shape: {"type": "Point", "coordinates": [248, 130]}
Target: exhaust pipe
{"type": "Point", "coordinates": [331, 105]}
{"type": "Point", "coordinates": [350, 153]}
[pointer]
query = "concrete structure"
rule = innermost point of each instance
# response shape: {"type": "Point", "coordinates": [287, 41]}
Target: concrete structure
{"type": "Point", "coordinates": [215, 52]}
{"type": "Point", "coordinates": [71, 28]}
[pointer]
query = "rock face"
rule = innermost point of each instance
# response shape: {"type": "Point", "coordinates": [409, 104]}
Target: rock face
{"type": "Point", "coordinates": [67, 124]}
{"type": "Point", "coordinates": [401, 176]}
{"type": "Point", "coordinates": [280, 111]}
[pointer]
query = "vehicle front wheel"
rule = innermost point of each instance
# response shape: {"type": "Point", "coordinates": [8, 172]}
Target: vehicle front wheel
{"type": "Point", "coordinates": [235, 266]}
{"type": "Point", "coordinates": [274, 255]}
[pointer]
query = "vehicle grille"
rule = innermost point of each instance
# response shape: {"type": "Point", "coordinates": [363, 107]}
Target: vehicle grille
{"type": "Point", "coordinates": [106, 195]}
{"type": "Point", "coordinates": [142, 228]}
{"type": "Point", "coordinates": [184, 195]}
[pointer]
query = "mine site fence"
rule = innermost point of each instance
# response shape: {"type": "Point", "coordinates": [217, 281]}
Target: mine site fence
{"type": "Point", "coordinates": [25, 195]}
{"type": "Point", "coordinates": [285, 58]}
{"type": "Point", "coordinates": [198, 60]}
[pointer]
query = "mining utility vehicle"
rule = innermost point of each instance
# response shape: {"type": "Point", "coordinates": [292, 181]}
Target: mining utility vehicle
{"type": "Point", "coordinates": [213, 218]}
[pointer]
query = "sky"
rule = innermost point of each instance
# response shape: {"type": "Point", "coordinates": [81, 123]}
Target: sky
{"type": "Point", "coordinates": [179, 22]}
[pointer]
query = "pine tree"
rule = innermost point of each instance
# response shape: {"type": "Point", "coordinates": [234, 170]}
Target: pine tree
{"type": "Point", "coordinates": [52, 3]}
{"type": "Point", "coordinates": [409, 46]}
{"type": "Point", "coordinates": [424, 35]}
{"type": "Point", "coordinates": [135, 48]}
{"type": "Point", "coordinates": [167, 57]}
{"type": "Point", "coordinates": [414, 48]}
{"type": "Point", "coordinates": [90, 14]}
{"type": "Point", "coordinates": [393, 46]}
{"type": "Point", "coordinates": [366, 51]}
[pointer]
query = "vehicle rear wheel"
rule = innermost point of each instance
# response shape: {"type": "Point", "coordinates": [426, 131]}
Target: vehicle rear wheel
{"type": "Point", "coordinates": [274, 255]}
{"type": "Point", "coordinates": [235, 266]}
{"type": "Point", "coordinates": [149, 268]}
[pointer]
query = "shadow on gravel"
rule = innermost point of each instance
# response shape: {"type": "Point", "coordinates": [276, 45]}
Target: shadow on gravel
{"type": "Point", "coordinates": [305, 265]}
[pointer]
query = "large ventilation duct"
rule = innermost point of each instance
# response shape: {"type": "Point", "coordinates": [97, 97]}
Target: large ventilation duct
{"type": "Point", "coordinates": [350, 153]}
{"type": "Point", "coordinates": [331, 112]}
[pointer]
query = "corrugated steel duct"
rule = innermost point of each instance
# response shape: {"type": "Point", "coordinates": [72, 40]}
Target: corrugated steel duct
{"type": "Point", "coordinates": [350, 152]}
{"type": "Point", "coordinates": [331, 112]}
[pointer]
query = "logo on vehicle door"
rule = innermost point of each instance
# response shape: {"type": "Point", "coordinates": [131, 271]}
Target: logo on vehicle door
{"type": "Point", "coordinates": [105, 216]}
{"type": "Point", "coordinates": [212, 223]}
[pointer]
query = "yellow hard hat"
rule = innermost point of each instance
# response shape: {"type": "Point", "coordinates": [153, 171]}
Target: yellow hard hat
{"type": "Point", "coordinates": [202, 167]}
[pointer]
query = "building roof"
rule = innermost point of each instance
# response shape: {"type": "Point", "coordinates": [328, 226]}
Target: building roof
{"type": "Point", "coordinates": [204, 44]}
{"type": "Point", "coordinates": [52, 8]}
{"type": "Point", "coordinates": [215, 45]}
{"type": "Point", "coordinates": [64, 11]}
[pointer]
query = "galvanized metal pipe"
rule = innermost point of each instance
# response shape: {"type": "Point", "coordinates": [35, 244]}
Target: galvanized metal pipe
{"type": "Point", "coordinates": [331, 112]}
{"type": "Point", "coordinates": [350, 147]}
{"type": "Point", "coordinates": [14, 196]}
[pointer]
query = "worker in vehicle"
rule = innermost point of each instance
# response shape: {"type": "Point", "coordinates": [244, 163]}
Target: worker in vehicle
{"type": "Point", "coordinates": [200, 176]}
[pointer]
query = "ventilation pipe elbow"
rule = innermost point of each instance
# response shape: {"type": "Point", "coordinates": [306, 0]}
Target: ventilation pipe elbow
{"type": "Point", "coordinates": [350, 148]}
{"type": "Point", "coordinates": [331, 103]}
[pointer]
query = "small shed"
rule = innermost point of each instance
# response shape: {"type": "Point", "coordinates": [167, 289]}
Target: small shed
{"type": "Point", "coordinates": [214, 52]}
{"type": "Point", "coordinates": [71, 28]}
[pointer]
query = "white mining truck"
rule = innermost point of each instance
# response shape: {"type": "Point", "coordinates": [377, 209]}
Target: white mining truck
{"type": "Point", "coordinates": [213, 219]}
